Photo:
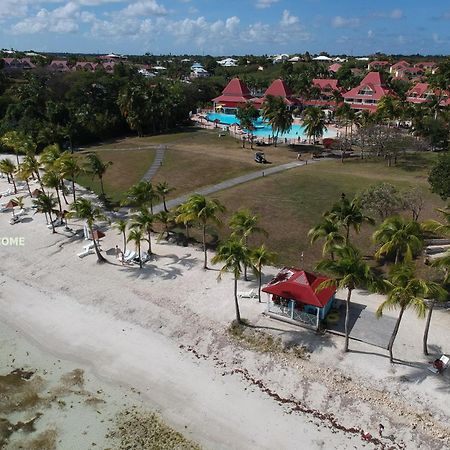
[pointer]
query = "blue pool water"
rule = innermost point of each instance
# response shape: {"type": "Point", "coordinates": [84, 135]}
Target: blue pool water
{"type": "Point", "coordinates": [263, 129]}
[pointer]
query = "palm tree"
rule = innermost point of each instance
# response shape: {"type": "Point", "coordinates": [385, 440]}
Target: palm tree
{"type": "Point", "coordinates": [260, 257]}
{"type": "Point", "coordinates": [9, 168]}
{"type": "Point", "coordinates": [328, 229]}
{"type": "Point", "coordinates": [85, 210]}
{"type": "Point", "coordinates": [166, 220]}
{"type": "Point", "coordinates": [69, 169]}
{"type": "Point", "coordinates": [121, 227]}
{"type": "Point", "coordinates": [46, 203]}
{"type": "Point", "coordinates": [98, 168]}
{"type": "Point", "coordinates": [136, 235]}
{"type": "Point", "coordinates": [34, 165]}
{"type": "Point", "coordinates": [141, 194]}
{"type": "Point", "coordinates": [51, 179]}
{"type": "Point", "coordinates": [233, 254]}
{"type": "Point", "coordinates": [399, 236]}
{"type": "Point", "coordinates": [50, 156]}
{"type": "Point", "coordinates": [247, 115]}
{"type": "Point", "coordinates": [405, 291]}
{"type": "Point", "coordinates": [181, 216]}
{"type": "Point", "coordinates": [440, 228]}
{"type": "Point", "coordinates": [277, 113]}
{"type": "Point", "coordinates": [201, 210]}
{"type": "Point", "coordinates": [144, 221]}
{"type": "Point", "coordinates": [348, 271]}
{"type": "Point", "coordinates": [348, 214]}
{"type": "Point", "coordinates": [243, 224]}
{"type": "Point", "coordinates": [24, 173]}
{"type": "Point", "coordinates": [17, 142]}
{"type": "Point", "coordinates": [314, 123]}
{"type": "Point", "coordinates": [163, 191]}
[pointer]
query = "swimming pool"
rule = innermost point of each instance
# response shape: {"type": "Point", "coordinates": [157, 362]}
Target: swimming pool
{"type": "Point", "coordinates": [263, 129]}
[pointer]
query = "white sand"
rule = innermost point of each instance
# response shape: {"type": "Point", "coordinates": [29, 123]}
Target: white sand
{"type": "Point", "coordinates": [126, 326]}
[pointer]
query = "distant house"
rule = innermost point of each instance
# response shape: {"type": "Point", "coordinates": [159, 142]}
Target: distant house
{"type": "Point", "coordinates": [146, 73]}
{"type": "Point", "coordinates": [398, 65]}
{"type": "Point", "coordinates": [322, 58]}
{"type": "Point", "coordinates": [228, 62]}
{"type": "Point", "coordinates": [85, 65]}
{"type": "Point", "coordinates": [199, 72]}
{"type": "Point", "coordinates": [378, 65]}
{"type": "Point", "coordinates": [334, 68]}
{"type": "Point", "coordinates": [426, 65]}
{"type": "Point", "coordinates": [295, 297]}
{"type": "Point", "coordinates": [295, 59]}
{"type": "Point", "coordinates": [408, 73]}
{"type": "Point", "coordinates": [368, 93]}
{"type": "Point", "coordinates": [18, 64]}
{"type": "Point", "coordinates": [108, 66]}
{"type": "Point", "coordinates": [277, 59]}
{"type": "Point", "coordinates": [278, 88]}
{"type": "Point", "coordinates": [59, 65]}
{"type": "Point", "coordinates": [235, 94]}
{"type": "Point", "coordinates": [422, 93]}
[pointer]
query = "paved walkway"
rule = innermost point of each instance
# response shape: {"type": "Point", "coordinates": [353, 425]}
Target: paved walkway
{"type": "Point", "coordinates": [157, 163]}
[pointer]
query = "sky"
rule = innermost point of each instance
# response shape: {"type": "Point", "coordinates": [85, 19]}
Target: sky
{"type": "Point", "coordinates": [227, 27]}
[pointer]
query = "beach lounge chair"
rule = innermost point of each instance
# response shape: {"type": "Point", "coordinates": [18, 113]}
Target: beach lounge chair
{"type": "Point", "coordinates": [14, 220]}
{"type": "Point", "coordinates": [85, 253]}
{"type": "Point", "coordinates": [250, 294]}
{"type": "Point", "coordinates": [130, 257]}
{"type": "Point", "coordinates": [439, 365]}
{"type": "Point", "coordinates": [21, 212]}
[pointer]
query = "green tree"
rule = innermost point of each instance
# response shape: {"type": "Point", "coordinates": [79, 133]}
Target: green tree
{"type": "Point", "coordinates": [243, 224]}
{"type": "Point", "coordinates": [233, 254]}
{"type": "Point", "coordinates": [199, 209]}
{"type": "Point", "coordinates": [260, 257]}
{"type": "Point", "coordinates": [46, 203]}
{"type": "Point", "coordinates": [17, 142]}
{"type": "Point", "coordinates": [247, 115]}
{"type": "Point", "coordinates": [121, 227]}
{"type": "Point", "coordinates": [277, 113]}
{"type": "Point", "coordinates": [382, 199]}
{"type": "Point", "coordinates": [163, 190]}
{"type": "Point", "coordinates": [98, 168]}
{"type": "Point", "coordinates": [137, 236]}
{"type": "Point", "coordinates": [348, 214]}
{"type": "Point", "coordinates": [439, 177]}
{"type": "Point", "coordinates": [144, 221]}
{"type": "Point", "coordinates": [49, 156]}
{"type": "Point", "coordinates": [85, 210]}
{"type": "Point", "coordinates": [52, 180]}
{"type": "Point", "coordinates": [347, 271]}
{"type": "Point", "coordinates": [9, 168]}
{"type": "Point", "coordinates": [70, 169]}
{"type": "Point", "coordinates": [166, 219]}
{"type": "Point", "coordinates": [329, 230]}
{"type": "Point", "coordinates": [399, 237]}
{"type": "Point", "coordinates": [141, 194]}
{"type": "Point", "coordinates": [405, 291]}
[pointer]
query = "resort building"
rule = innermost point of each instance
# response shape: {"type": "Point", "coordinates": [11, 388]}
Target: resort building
{"type": "Point", "coordinates": [427, 66]}
{"type": "Point", "coordinates": [327, 88]}
{"type": "Point", "coordinates": [198, 71]}
{"type": "Point", "coordinates": [334, 68]}
{"type": "Point", "coordinates": [235, 94]}
{"type": "Point", "coordinates": [294, 297]}
{"type": "Point", "coordinates": [378, 65]}
{"type": "Point", "coordinates": [18, 64]}
{"type": "Point", "coordinates": [278, 88]}
{"type": "Point", "coordinates": [398, 65]}
{"type": "Point", "coordinates": [422, 93]}
{"type": "Point", "coordinates": [227, 62]}
{"type": "Point", "coordinates": [408, 73]}
{"type": "Point", "coordinates": [59, 65]}
{"type": "Point", "coordinates": [368, 93]}
{"type": "Point", "coordinates": [322, 58]}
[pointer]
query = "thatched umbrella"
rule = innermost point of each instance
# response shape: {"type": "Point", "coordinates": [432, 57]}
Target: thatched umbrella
{"type": "Point", "coordinates": [12, 204]}
{"type": "Point", "coordinates": [97, 235]}
{"type": "Point", "coordinates": [36, 193]}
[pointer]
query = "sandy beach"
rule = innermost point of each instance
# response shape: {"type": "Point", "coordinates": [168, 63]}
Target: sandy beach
{"type": "Point", "coordinates": [162, 331]}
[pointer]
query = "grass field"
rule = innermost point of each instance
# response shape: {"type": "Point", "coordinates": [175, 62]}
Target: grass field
{"type": "Point", "coordinates": [128, 168]}
{"type": "Point", "coordinates": [291, 203]}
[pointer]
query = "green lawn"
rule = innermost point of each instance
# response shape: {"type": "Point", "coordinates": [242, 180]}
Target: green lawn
{"type": "Point", "coordinates": [128, 168]}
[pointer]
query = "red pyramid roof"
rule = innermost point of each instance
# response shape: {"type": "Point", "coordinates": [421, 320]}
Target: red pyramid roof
{"type": "Point", "coordinates": [299, 285]}
{"type": "Point", "coordinates": [279, 88]}
{"type": "Point", "coordinates": [236, 88]}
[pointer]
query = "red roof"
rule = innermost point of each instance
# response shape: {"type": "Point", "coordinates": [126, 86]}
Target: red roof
{"type": "Point", "coordinates": [371, 82]}
{"type": "Point", "coordinates": [334, 67]}
{"type": "Point", "coordinates": [399, 65]}
{"type": "Point", "coordinates": [299, 285]}
{"type": "Point", "coordinates": [421, 93]}
{"type": "Point", "coordinates": [326, 84]}
{"type": "Point", "coordinates": [279, 88]}
{"type": "Point", "coordinates": [373, 64]}
{"type": "Point", "coordinates": [236, 87]}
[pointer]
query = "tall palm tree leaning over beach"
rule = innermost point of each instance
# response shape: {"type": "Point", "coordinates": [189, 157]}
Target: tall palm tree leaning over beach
{"type": "Point", "coordinates": [98, 168]}
{"type": "Point", "coordinates": [260, 257]}
{"type": "Point", "coordinates": [199, 209]}
{"type": "Point", "coordinates": [243, 224]}
{"type": "Point", "coordinates": [85, 210]}
{"type": "Point", "coordinates": [46, 204]}
{"type": "Point", "coordinates": [405, 291]}
{"type": "Point", "coordinates": [233, 254]}
{"type": "Point", "coordinates": [348, 271]}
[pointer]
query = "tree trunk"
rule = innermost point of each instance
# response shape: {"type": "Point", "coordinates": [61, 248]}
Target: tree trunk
{"type": "Point", "coordinates": [347, 317]}
{"type": "Point", "coordinates": [100, 258]}
{"type": "Point", "coordinates": [14, 184]}
{"type": "Point", "coordinates": [28, 187]}
{"type": "Point", "coordinates": [165, 206]}
{"type": "Point", "coordinates": [149, 243]}
{"type": "Point", "coordinates": [139, 255]}
{"type": "Point", "coordinates": [186, 225]}
{"type": "Point", "coordinates": [397, 256]}
{"type": "Point", "coordinates": [151, 206]}
{"type": "Point", "coordinates": [59, 200]}
{"type": "Point", "coordinates": [51, 222]}
{"type": "Point", "coordinates": [205, 265]}
{"type": "Point", "coordinates": [259, 283]}
{"type": "Point", "coordinates": [101, 187]}
{"type": "Point", "coordinates": [73, 190]}
{"type": "Point", "coordinates": [427, 328]}
{"type": "Point", "coordinates": [63, 193]}
{"type": "Point", "coordinates": [40, 181]}
{"type": "Point", "coordinates": [394, 334]}
{"type": "Point", "coordinates": [236, 303]}
{"type": "Point", "coordinates": [124, 242]}
{"type": "Point", "coordinates": [347, 236]}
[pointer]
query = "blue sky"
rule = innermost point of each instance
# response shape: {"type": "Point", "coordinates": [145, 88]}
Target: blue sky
{"type": "Point", "coordinates": [221, 27]}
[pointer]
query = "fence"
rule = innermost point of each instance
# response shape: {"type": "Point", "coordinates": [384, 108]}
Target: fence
{"type": "Point", "coordinates": [290, 312]}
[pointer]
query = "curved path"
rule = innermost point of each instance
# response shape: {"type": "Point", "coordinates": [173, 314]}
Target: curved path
{"type": "Point", "coordinates": [157, 163]}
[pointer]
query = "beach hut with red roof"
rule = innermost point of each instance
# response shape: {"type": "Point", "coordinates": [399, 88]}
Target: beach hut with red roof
{"type": "Point", "coordinates": [294, 296]}
{"type": "Point", "coordinates": [278, 88]}
{"type": "Point", "coordinates": [368, 93]}
{"type": "Point", "coordinates": [235, 94]}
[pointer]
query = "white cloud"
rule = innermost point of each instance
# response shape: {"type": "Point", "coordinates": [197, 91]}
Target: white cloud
{"type": "Point", "coordinates": [144, 8]}
{"type": "Point", "coordinates": [345, 22]}
{"type": "Point", "coordinates": [262, 4]}
{"type": "Point", "coordinates": [287, 19]}
{"type": "Point", "coordinates": [370, 34]}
